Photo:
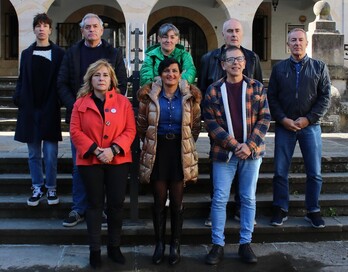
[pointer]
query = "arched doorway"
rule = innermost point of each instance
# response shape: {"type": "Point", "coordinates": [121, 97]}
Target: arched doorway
{"type": "Point", "coordinates": [69, 32]}
{"type": "Point", "coordinates": [191, 36]}
{"type": "Point", "coordinates": [9, 41]}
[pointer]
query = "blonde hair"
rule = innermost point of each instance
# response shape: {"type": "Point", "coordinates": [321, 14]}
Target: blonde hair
{"type": "Point", "coordinates": [87, 86]}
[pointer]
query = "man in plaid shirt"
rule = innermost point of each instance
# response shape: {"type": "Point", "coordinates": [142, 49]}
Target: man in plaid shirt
{"type": "Point", "coordinates": [237, 117]}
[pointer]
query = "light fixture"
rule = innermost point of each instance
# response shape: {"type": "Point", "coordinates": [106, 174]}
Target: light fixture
{"type": "Point", "coordinates": [302, 18]}
{"type": "Point", "coordinates": [275, 4]}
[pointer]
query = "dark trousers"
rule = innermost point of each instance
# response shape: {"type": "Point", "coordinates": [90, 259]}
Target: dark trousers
{"type": "Point", "coordinates": [102, 181]}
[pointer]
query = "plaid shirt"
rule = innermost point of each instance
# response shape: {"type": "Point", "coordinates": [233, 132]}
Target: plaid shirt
{"type": "Point", "coordinates": [257, 120]}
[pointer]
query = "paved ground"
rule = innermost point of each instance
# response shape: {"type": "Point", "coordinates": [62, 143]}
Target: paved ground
{"type": "Point", "coordinates": [330, 256]}
{"type": "Point", "coordinates": [274, 257]}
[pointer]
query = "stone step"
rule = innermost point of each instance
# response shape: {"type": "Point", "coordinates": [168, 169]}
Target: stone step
{"type": "Point", "coordinates": [196, 206]}
{"type": "Point", "coordinates": [333, 183]}
{"type": "Point", "coordinates": [9, 124]}
{"type": "Point", "coordinates": [7, 90]}
{"type": "Point", "coordinates": [51, 231]}
{"type": "Point", "coordinates": [11, 163]}
{"type": "Point", "coordinates": [11, 113]}
{"type": "Point", "coordinates": [6, 101]}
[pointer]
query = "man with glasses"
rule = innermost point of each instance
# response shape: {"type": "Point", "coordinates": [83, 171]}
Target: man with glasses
{"type": "Point", "coordinates": [74, 66]}
{"type": "Point", "coordinates": [237, 118]}
{"type": "Point", "coordinates": [211, 71]}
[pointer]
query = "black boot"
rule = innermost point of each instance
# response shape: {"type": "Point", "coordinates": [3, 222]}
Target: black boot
{"type": "Point", "coordinates": [159, 224]}
{"type": "Point", "coordinates": [115, 254]}
{"type": "Point", "coordinates": [176, 226]}
{"type": "Point", "coordinates": [95, 259]}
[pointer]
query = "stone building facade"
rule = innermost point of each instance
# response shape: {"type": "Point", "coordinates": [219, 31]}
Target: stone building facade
{"type": "Point", "coordinates": [265, 23]}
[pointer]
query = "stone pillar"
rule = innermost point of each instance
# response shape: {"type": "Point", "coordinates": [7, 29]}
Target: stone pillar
{"type": "Point", "coordinates": [324, 41]}
{"type": "Point", "coordinates": [327, 44]}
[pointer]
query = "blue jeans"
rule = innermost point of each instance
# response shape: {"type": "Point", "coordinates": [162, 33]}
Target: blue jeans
{"type": "Point", "coordinates": [310, 143]}
{"type": "Point", "coordinates": [50, 154]}
{"type": "Point", "coordinates": [223, 174]}
{"type": "Point", "coordinates": [79, 195]}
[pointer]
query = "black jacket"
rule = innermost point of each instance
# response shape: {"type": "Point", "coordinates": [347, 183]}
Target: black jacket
{"type": "Point", "coordinates": [69, 74]}
{"type": "Point", "coordinates": [211, 70]}
{"type": "Point", "coordinates": [312, 97]}
{"type": "Point", "coordinates": [50, 126]}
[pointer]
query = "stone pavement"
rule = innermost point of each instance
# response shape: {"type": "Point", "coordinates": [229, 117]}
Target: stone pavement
{"type": "Point", "coordinates": [329, 256]}
{"type": "Point", "coordinates": [334, 144]}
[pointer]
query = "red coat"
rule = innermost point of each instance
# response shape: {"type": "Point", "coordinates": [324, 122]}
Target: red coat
{"type": "Point", "coordinates": [87, 127]}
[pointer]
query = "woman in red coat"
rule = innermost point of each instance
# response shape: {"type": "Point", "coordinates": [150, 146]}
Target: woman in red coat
{"type": "Point", "coordinates": [102, 128]}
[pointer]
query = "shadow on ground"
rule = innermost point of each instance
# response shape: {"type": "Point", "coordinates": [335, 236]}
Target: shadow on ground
{"type": "Point", "coordinates": [271, 263]}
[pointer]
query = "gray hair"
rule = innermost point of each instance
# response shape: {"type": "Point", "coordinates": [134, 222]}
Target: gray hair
{"type": "Point", "coordinates": [90, 15]}
{"type": "Point", "coordinates": [297, 30]}
{"type": "Point", "coordinates": [165, 28]}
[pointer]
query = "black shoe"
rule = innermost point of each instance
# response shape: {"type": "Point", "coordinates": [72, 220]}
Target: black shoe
{"type": "Point", "coordinates": [52, 198]}
{"type": "Point", "coordinates": [174, 253]}
{"type": "Point", "coordinates": [279, 216]}
{"type": "Point", "coordinates": [315, 219]}
{"type": "Point", "coordinates": [37, 194]}
{"type": "Point", "coordinates": [158, 255]}
{"type": "Point", "coordinates": [207, 221]}
{"type": "Point", "coordinates": [115, 254]}
{"type": "Point", "coordinates": [215, 255]}
{"type": "Point", "coordinates": [95, 259]}
{"type": "Point", "coordinates": [73, 219]}
{"type": "Point", "coordinates": [247, 254]}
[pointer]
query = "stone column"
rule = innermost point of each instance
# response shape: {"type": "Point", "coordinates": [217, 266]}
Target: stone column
{"type": "Point", "coordinates": [324, 41]}
{"type": "Point", "coordinates": [327, 44]}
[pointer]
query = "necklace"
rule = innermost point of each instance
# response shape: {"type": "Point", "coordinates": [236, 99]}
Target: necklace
{"type": "Point", "coordinates": [169, 95]}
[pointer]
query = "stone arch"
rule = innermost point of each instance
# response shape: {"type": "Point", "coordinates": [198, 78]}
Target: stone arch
{"type": "Point", "coordinates": [107, 11]}
{"type": "Point", "coordinates": [190, 14]}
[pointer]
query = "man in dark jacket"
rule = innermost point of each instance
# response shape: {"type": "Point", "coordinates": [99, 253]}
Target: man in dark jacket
{"type": "Point", "coordinates": [39, 121]}
{"type": "Point", "coordinates": [299, 95]}
{"type": "Point", "coordinates": [73, 68]}
{"type": "Point", "coordinates": [211, 71]}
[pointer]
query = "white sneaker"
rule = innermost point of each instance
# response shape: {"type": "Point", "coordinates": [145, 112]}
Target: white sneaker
{"type": "Point", "coordinates": [37, 194]}
{"type": "Point", "coordinates": [52, 198]}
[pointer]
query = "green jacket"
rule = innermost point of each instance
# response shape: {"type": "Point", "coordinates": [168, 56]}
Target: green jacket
{"type": "Point", "coordinates": [154, 56]}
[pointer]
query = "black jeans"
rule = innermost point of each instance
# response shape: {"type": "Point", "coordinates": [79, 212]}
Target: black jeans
{"type": "Point", "coordinates": [102, 181]}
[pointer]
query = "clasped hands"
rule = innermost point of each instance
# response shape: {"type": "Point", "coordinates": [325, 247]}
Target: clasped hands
{"type": "Point", "coordinates": [296, 125]}
{"type": "Point", "coordinates": [105, 155]}
{"type": "Point", "coordinates": [242, 151]}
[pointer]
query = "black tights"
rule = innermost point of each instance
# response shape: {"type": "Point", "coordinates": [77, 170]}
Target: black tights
{"type": "Point", "coordinates": [176, 191]}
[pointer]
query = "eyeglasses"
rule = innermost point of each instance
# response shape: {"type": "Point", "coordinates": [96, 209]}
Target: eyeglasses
{"type": "Point", "coordinates": [231, 60]}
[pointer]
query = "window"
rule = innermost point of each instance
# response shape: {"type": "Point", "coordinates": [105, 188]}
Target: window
{"type": "Point", "coordinates": [11, 36]}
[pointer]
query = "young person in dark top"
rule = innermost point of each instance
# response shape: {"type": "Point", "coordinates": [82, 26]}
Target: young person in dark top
{"type": "Point", "coordinates": [74, 66]}
{"type": "Point", "coordinates": [38, 122]}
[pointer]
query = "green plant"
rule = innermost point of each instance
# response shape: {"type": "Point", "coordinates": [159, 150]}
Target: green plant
{"type": "Point", "coordinates": [330, 212]}
{"type": "Point", "coordinates": [295, 193]}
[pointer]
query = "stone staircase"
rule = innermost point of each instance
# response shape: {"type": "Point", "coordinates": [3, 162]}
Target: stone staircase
{"type": "Point", "coordinates": [21, 224]}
